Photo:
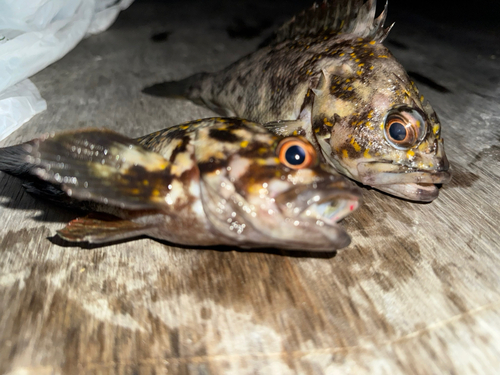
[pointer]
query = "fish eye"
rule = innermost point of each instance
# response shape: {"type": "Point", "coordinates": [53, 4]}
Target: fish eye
{"type": "Point", "coordinates": [296, 153]}
{"type": "Point", "coordinates": [404, 127]}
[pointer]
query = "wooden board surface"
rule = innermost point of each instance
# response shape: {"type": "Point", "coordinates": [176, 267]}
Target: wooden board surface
{"type": "Point", "coordinates": [417, 291]}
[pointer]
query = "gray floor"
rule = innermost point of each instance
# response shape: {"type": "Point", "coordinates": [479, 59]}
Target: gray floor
{"type": "Point", "coordinates": [417, 291]}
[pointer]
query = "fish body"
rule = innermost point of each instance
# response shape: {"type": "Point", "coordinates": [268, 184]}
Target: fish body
{"type": "Point", "coordinates": [367, 118]}
{"type": "Point", "coordinates": [207, 182]}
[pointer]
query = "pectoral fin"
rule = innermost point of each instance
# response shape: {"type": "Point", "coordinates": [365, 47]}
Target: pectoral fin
{"type": "Point", "coordinates": [94, 165]}
{"type": "Point", "coordinates": [101, 228]}
{"type": "Point", "coordinates": [286, 128]}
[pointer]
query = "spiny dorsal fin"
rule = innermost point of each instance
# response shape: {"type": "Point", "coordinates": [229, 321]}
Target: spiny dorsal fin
{"type": "Point", "coordinates": [334, 17]}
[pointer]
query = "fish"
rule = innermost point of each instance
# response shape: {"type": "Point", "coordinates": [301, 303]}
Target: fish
{"type": "Point", "coordinates": [368, 119]}
{"type": "Point", "coordinates": [215, 181]}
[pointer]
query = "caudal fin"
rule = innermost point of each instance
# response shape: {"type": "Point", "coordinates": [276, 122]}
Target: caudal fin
{"type": "Point", "coordinates": [93, 165]}
{"type": "Point", "coordinates": [175, 89]}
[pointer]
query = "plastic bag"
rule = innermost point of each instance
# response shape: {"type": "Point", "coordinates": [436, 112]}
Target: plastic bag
{"type": "Point", "coordinates": [17, 105]}
{"type": "Point", "coordinates": [36, 33]}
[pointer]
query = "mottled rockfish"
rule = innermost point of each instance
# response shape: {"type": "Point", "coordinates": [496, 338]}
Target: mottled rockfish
{"type": "Point", "coordinates": [368, 119]}
{"type": "Point", "coordinates": [206, 182]}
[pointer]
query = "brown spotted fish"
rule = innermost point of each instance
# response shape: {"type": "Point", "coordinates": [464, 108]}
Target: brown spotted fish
{"type": "Point", "coordinates": [207, 182]}
{"type": "Point", "coordinates": [365, 116]}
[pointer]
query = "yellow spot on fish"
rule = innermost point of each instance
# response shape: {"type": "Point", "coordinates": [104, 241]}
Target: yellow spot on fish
{"type": "Point", "coordinates": [135, 191]}
{"type": "Point", "coordinates": [366, 154]}
{"type": "Point", "coordinates": [410, 154]}
{"type": "Point", "coordinates": [355, 144]}
{"type": "Point", "coordinates": [155, 192]}
{"type": "Point", "coordinates": [184, 127]}
{"type": "Point", "coordinates": [145, 182]}
{"type": "Point", "coordinates": [423, 146]}
{"type": "Point", "coordinates": [359, 72]}
{"type": "Point", "coordinates": [344, 154]}
{"type": "Point", "coordinates": [371, 67]}
{"type": "Point", "coordinates": [382, 56]}
{"type": "Point", "coordinates": [295, 132]}
{"type": "Point", "coordinates": [342, 54]}
{"type": "Point", "coordinates": [435, 129]}
{"type": "Point", "coordinates": [421, 98]}
{"type": "Point", "coordinates": [372, 42]}
{"type": "Point", "coordinates": [244, 144]}
{"type": "Point", "coordinates": [349, 88]}
{"type": "Point", "coordinates": [326, 122]}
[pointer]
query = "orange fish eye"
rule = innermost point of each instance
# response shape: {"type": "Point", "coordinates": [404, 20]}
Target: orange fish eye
{"type": "Point", "coordinates": [296, 153]}
{"type": "Point", "coordinates": [404, 127]}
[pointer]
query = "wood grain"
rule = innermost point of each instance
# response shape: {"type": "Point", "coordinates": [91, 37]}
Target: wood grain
{"type": "Point", "coordinates": [416, 292]}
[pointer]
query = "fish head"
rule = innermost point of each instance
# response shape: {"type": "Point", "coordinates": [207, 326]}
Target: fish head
{"type": "Point", "coordinates": [374, 126]}
{"type": "Point", "coordinates": [259, 189]}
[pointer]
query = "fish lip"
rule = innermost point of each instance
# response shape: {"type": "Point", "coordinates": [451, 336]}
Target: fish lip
{"type": "Point", "coordinates": [404, 182]}
{"type": "Point", "coordinates": [423, 193]}
{"type": "Point", "coordinates": [387, 173]}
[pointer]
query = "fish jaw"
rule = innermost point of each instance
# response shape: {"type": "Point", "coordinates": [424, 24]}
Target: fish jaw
{"type": "Point", "coordinates": [403, 182]}
{"type": "Point", "coordinates": [300, 218]}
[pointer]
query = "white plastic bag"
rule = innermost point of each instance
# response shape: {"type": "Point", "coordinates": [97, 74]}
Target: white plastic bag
{"type": "Point", "coordinates": [17, 105]}
{"type": "Point", "coordinates": [36, 33]}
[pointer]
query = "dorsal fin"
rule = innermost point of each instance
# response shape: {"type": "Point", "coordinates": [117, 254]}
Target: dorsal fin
{"type": "Point", "coordinates": [334, 17]}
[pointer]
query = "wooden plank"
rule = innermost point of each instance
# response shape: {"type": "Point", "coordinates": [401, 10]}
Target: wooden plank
{"type": "Point", "coordinates": [415, 292]}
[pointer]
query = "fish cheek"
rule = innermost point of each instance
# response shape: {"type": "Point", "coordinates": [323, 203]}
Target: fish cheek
{"type": "Point", "coordinates": [344, 149]}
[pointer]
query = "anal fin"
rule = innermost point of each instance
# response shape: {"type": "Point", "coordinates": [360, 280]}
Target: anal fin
{"type": "Point", "coordinates": [99, 228]}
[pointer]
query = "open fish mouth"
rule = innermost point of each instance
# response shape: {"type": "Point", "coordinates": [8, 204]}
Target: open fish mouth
{"type": "Point", "coordinates": [327, 204]}
{"type": "Point", "coordinates": [317, 209]}
{"type": "Point", "coordinates": [404, 182]}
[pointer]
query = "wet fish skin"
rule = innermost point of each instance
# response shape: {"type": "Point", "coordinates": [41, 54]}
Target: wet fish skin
{"type": "Point", "coordinates": [349, 80]}
{"type": "Point", "coordinates": [207, 182]}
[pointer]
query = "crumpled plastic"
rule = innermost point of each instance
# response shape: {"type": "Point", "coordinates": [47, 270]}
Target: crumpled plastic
{"type": "Point", "coordinates": [33, 35]}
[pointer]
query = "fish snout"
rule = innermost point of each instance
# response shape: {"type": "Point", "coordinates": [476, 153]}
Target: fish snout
{"type": "Point", "coordinates": [442, 165]}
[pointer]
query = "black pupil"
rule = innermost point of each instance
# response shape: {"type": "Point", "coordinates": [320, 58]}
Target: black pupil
{"type": "Point", "coordinates": [397, 131]}
{"type": "Point", "coordinates": [295, 155]}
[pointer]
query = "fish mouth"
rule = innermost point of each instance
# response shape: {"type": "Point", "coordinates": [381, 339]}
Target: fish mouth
{"type": "Point", "coordinates": [403, 182]}
{"type": "Point", "coordinates": [328, 202]}
{"type": "Point", "coordinates": [320, 207]}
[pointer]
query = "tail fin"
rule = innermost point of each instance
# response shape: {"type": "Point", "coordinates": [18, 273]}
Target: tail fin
{"type": "Point", "coordinates": [175, 89]}
{"type": "Point", "coordinates": [13, 160]}
{"type": "Point", "coordinates": [93, 165]}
